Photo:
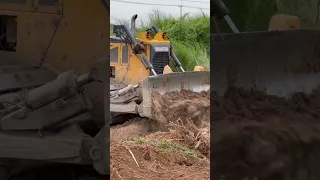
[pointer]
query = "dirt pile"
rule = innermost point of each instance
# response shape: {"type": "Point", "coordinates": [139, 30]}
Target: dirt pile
{"type": "Point", "coordinates": [187, 114]}
{"type": "Point", "coordinates": [134, 128]}
{"type": "Point", "coordinates": [176, 146]}
{"type": "Point", "coordinates": [193, 137]}
{"type": "Point", "coordinates": [183, 105]}
{"type": "Point", "coordinates": [157, 156]}
{"type": "Point", "coordinates": [268, 137]}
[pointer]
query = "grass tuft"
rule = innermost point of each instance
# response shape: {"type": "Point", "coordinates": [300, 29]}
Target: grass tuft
{"type": "Point", "coordinates": [168, 146]}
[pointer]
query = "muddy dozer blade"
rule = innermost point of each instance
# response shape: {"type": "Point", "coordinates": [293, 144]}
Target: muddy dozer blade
{"type": "Point", "coordinates": [195, 81]}
{"type": "Point", "coordinates": [278, 63]}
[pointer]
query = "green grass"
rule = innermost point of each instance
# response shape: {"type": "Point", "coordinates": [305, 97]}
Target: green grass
{"type": "Point", "coordinates": [167, 146]}
{"type": "Point", "coordinates": [189, 35]}
{"type": "Point", "coordinates": [254, 15]}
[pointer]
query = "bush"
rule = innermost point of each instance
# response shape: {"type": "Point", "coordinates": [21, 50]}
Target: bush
{"type": "Point", "coordinates": [189, 35]}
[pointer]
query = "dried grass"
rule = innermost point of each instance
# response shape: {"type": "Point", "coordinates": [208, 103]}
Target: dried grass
{"type": "Point", "coordinates": [195, 138]}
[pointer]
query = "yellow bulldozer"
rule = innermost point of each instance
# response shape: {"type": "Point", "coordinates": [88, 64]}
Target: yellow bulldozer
{"type": "Point", "coordinates": [53, 60]}
{"type": "Point", "coordinates": [279, 61]}
{"type": "Point", "coordinates": [282, 62]}
{"type": "Point", "coordinates": [140, 66]}
{"type": "Point", "coordinates": [54, 93]}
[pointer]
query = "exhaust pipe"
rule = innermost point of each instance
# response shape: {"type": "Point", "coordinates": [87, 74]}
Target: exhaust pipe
{"type": "Point", "coordinates": [133, 23]}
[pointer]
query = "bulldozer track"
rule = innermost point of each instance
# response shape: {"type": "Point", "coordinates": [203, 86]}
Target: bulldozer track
{"type": "Point", "coordinates": [16, 84]}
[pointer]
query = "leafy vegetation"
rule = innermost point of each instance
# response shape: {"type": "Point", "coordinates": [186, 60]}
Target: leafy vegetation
{"type": "Point", "coordinates": [189, 35]}
{"type": "Point", "coordinates": [254, 15]}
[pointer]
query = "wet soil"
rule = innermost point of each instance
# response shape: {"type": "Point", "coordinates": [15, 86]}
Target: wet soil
{"type": "Point", "coordinates": [150, 161]}
{"type": "Point", "coordinates": [182, 105]}
{"type": "Point", "coordinates": [265, 137]}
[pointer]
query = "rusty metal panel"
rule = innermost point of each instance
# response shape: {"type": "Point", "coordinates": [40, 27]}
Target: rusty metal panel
{"type": "Point", "coordinates": [16, 5]}
{"type": "Point", "coordinates": [78, 45]}
{"type": "Point", "coordinates": [48, 6]}
{"type": "Point", "coordinates": [276, 62]}
{"type": "Point", "coordinates": [34, 30]}
{"type": "Point", "coordinates": [63, 42]}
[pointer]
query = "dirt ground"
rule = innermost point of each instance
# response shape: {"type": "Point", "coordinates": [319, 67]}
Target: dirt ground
{"type": "Point", "coordinates": [176, 146]}
{"type": "Point", "coordinates": [265, 137]}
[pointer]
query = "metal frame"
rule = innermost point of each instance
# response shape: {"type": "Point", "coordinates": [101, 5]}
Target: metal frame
{"type": "Point", "coordinates": [17, 7]}
{"type": "Point", "coordinates": [33, 6]}
{"type": "Point", "coordinates": [48, 9]}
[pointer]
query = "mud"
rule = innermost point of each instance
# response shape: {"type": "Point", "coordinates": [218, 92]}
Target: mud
{"type": "Point", "coordinates": [135, 128]}
{"type": "Point", "coordinates": [175, 146]}
{"type": "Point", "coordinates": [153, 162]}
{"type": "Point", "coordinates": [265, 137]}
{"type": "Point", "coordinates": [182, 105]}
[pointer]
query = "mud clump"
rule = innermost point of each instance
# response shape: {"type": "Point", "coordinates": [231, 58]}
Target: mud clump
{"type": "Point", "coordinates": [182, 105]}
{"type": "Point", "coordinates": [265, 137]}
{"type": "Point", "coordinates": [241, 105]}
{"type": "Point", "coordinates": [187, 114]}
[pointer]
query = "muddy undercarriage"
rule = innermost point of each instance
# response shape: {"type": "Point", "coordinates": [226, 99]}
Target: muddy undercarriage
{"type": "Point", "coordinates": [51, 123]}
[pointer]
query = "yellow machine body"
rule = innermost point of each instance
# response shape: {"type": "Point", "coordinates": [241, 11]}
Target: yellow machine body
{"type": "Point", "coordinates": [65, 34]}
{"type": "Point", "coordinates": [280, 22]}
{"type": "Point", "coordinates": [126, 67]}
{"type": "Point", "coordinates": [56, 37]}
{"type": "Point", "coordinates": [167, 70]}
{"type": "Point", "coordinates": [281, 61]}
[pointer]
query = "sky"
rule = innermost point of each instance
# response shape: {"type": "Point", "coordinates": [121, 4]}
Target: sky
{"type": "Point", "coordinates": [125, 9]}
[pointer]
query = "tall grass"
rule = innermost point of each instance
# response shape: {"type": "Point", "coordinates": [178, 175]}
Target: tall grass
{"type": "Point", "coordinates": [254, 15]}
{"type": "Point", "coordinates": [189, 35]}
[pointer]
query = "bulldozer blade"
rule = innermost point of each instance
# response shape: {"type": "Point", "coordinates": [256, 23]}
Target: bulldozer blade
{"type": "Point", "coordinates": [279, 63]}
{"type": "Point", "coordinates": [194, 81]}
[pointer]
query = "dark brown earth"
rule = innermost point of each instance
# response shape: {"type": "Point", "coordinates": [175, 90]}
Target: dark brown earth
{"type": "Point", "coordinates": [176, 146]}
{"type": "Point", "coordinates": [265, 137]}
{"type": "Point", "coordinates": [182, 105]}
{"type": "Point", "coordinates": [155, 162]}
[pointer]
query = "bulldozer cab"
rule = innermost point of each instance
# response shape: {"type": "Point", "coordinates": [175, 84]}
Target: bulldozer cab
{"type": "Point", "coordinates": [53, 32]}
{"type": "Point", "coordinates": [127, 67]}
